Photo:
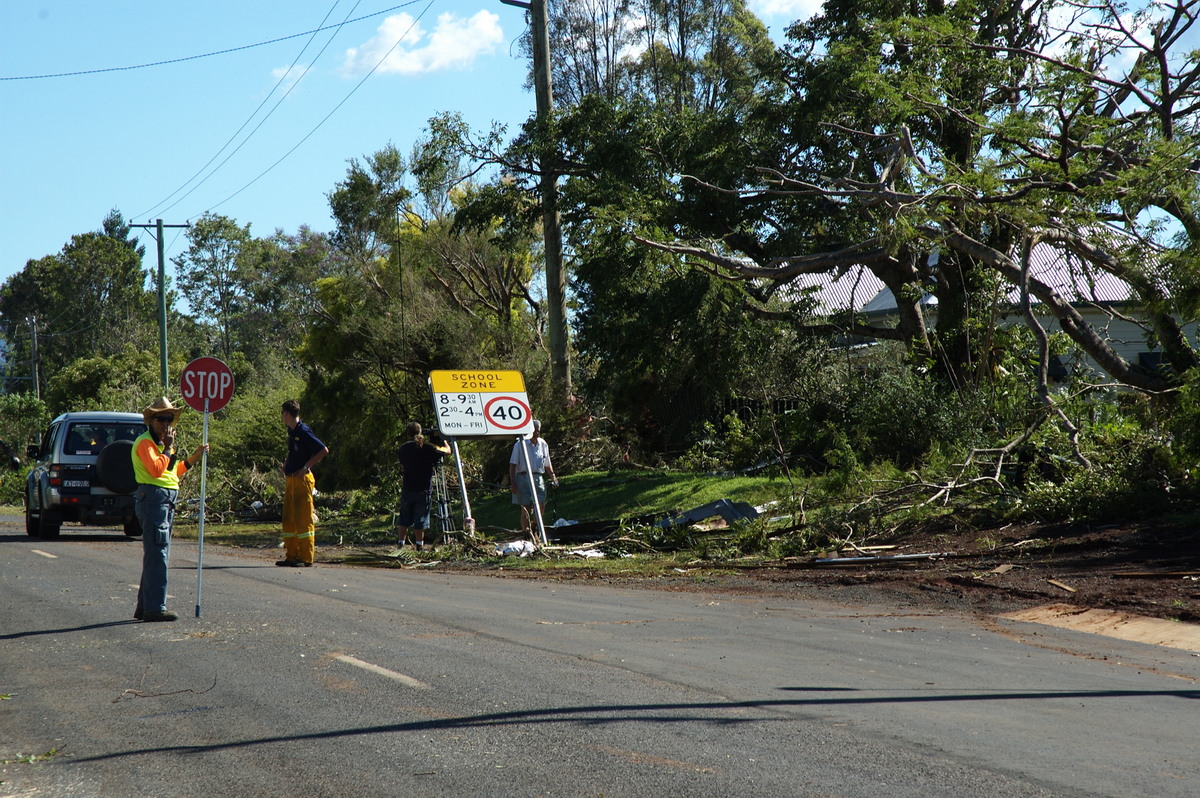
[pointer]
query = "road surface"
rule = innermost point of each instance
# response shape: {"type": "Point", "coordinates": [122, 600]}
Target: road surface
{"type": "Point", "coordinates": [345, 681]}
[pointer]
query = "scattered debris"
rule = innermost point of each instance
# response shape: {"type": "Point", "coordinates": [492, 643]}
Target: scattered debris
{"type": "Point", "coordinates": [1057, 583]}
{"type": "Point", "coordinates": [731, 511]}
{"type": "Point", "coordinates": [588, 554]}
{"type": "Point", "coordinates": [1157, 575]}
{"type": "Point", "coordinates": [516, 548]}
{"type": "Point", "coordinates": [1001, 569]}
{"type": "Point", "coordinates": [937, 555]}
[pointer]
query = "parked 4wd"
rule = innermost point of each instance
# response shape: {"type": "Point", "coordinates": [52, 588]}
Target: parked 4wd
{"type": "Point", "coordinates": [78, 477]}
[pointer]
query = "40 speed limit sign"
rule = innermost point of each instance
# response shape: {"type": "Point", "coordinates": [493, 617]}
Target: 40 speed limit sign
{"type": "Point", "coordinates": [480, 403]}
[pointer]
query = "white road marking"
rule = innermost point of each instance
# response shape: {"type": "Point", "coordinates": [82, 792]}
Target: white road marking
{"type": "Point", "coordinates": [45, 554]}
{"type": "Point", "coordinates": [400, 677]}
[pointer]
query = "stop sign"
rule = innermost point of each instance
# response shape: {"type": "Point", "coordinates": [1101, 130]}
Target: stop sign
{"type": "Point", "coordinates": [206, 384]}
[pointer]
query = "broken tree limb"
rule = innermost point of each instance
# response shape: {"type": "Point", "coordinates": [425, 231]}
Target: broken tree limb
{"type": "Point", "coordinates": [1155, 574]}
{"type": "Point", "coordinates": [937, 555]}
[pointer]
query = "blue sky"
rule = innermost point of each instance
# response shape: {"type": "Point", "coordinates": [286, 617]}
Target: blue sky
{"type": "Point", "coordinates": [260, 133]}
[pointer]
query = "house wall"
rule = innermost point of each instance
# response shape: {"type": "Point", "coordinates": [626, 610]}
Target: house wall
{"type": "Point", "coordinates": [1126, 337]}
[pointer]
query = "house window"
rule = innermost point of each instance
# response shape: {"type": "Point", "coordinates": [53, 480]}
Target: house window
{"type": "Point", "coordinates": [1154, 361]}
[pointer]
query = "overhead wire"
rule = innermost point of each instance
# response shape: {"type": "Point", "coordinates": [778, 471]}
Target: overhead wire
{"type": "Point", "coordinates": [326, 118]}
{"type": "Point", "coordinates": [203, 55]}
{"type": "Point", "coordinates": [250, 118]}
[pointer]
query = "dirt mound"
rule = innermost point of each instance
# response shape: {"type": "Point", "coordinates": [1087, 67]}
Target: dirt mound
{"type": "Point", "coordinates": [1148, 569]}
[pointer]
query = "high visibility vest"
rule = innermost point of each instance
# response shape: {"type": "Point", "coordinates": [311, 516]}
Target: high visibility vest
{"type": "Point", "coordinates": [141, 469]}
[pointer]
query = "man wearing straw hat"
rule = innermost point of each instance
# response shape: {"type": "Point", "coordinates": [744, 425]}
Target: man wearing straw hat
{"type": "Point", "coordinates": [157, 470]}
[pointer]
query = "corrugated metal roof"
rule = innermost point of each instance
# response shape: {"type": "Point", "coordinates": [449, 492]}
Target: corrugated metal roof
{"type": "Point", "coordinates": [1073, 278]}
{"type": "Point", "coordinates": [835, 292]}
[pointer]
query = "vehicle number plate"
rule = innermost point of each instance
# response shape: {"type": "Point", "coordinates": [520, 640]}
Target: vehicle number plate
{"type": "Point", "coordinates": [75, 483]}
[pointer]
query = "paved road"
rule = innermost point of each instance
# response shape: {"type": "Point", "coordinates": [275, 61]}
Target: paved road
{"type": "Point", "coordinates": [339, 681]}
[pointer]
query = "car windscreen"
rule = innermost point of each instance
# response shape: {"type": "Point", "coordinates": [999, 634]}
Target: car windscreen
{"type": "Point", "coordinates": [89, 437]}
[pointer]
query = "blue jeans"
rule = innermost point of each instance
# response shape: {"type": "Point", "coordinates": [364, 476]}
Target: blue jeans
{"type": "Point", "coordinates": [155, 510]}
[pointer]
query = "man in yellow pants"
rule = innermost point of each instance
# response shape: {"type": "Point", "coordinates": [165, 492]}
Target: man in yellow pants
{"type": "Point", "coordinates": [305, 450]}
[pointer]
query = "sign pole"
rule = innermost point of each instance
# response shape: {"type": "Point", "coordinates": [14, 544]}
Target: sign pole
{"type": "Point", "coordinates": [468, 521]}
{"type": "Point", "coordinates": [206, 384]}
{"type": "Point", "coordinates": [537, 508]}
{"type": "Point", "coordinates": [203, 487]}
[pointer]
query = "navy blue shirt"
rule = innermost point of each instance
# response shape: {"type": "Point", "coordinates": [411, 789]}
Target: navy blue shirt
{"type": "Point", "coordinates": [418, 463]}
{"type": "Point", "coordinates": [302, 445]}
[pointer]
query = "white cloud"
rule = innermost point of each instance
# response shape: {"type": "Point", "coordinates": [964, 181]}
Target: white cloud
{"type": "Point", "coordinates": [455, 43]}
{"type": "Point", "coordinates": [286, 78]}
{"type": "Point", "coordinates": [790, 10]}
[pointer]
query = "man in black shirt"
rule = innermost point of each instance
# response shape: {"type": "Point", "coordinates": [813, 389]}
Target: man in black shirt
{"type": "Point", "coordinates": [418, 458]}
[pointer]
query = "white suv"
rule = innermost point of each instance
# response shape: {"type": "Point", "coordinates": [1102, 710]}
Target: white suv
{"type": "Point", "coordinates": [83, 473]}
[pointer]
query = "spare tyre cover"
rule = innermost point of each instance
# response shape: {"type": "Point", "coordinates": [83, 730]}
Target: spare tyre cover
{"type": "Point", "coordinates": [114, 467]}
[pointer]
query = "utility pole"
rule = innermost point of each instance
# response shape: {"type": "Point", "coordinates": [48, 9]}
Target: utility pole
{"type": "Point", "coordinates": [162, 296]}
{"type": "Point", "coordinates": [556, 281]}
{"type": "Point", "coordinates": [33, 356]}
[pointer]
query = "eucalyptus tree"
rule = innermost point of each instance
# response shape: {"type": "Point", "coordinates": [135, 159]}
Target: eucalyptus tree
{"type": "Point", "coordinates": [414, 293]}
{"type": "Point", "coordinates": [971, 130]}
{"type": "Point", "coordinates": [213, 281]}
{"type": "Point", "coordinates": [650, 85]}
{"type": "Point", "coordinates": [367, 204]}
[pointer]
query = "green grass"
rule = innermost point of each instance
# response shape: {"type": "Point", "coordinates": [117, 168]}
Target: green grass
{"type": "Point", "coordinates": [600, 496]}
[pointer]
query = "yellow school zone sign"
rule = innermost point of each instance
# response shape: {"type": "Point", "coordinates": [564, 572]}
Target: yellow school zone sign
{"type": "Point", "coordinates": [480, 403]}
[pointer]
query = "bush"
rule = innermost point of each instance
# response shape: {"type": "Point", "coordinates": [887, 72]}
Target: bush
{"type": "Point", "coordinates": [12, 487]}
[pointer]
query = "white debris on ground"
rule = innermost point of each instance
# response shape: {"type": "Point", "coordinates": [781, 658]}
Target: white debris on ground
{"type": "Point", "coordinates": [516, 548]}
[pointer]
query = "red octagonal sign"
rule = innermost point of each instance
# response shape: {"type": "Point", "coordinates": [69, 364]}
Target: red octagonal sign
{"type": "Point", "coordinates": [206, 384]}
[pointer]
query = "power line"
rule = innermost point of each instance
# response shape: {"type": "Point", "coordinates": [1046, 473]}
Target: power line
{"type": "Point", "coordinates": [282, 78]}
{"type": "Point", "coordinates": [326, 118]}
{"type": "Point", "coordinates": [202, 55]}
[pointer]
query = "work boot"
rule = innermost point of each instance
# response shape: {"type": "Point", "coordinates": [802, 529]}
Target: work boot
{"type": "Point", "coordinates": [155, 617]}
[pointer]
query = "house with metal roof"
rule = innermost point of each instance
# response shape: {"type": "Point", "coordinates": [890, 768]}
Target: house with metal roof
{"type": "Point", "coordinates": [1106, 302]}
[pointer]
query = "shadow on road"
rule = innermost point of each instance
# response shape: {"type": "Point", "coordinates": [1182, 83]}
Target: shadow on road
{"type": "Point", "coordinates": [661, 713]}
{"type": "Point", "coordinates": [106, 625]}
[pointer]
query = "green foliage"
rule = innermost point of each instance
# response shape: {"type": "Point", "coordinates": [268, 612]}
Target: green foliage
{"type": "Point", "coordinates": [1106, 493]}
{"type": "Point", "coordinates": [212, 280]}
{"type": "Point", "coordinates": [88, 300]}
{"type": "Point", "coordinates": [23, 419]}
{"type": "Point", "coordinates": [424, 295]}
{"type": "Point", "coordinates": [367, 203]}
{"type": "Point", "coordinates": [733, 446]}
{"type": "Point", "coordinates": [248, 443]}
{"type": "Point", "coordinates": [736, 158]}
{"type": "Point", "coordinates": [120, 382]}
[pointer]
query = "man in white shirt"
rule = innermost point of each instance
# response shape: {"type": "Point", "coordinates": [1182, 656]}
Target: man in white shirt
{"type": "Point", "coordinates": [518, 479]}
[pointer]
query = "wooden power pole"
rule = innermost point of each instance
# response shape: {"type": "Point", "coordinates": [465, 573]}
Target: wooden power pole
{"type": "Point", "coordinates": [162, 297]}
{"type": "Point", "coordinates": [556, 280]}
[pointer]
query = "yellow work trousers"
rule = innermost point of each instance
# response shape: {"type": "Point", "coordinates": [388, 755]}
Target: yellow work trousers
{"type": "Point", "coordinates": [299, 532]}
